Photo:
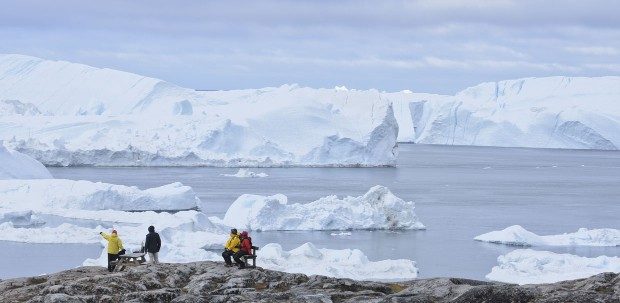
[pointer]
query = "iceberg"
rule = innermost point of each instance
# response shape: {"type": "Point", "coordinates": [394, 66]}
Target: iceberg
{"type": "Point", "coordinates": [246, 173]}
{"type": "Point", "coordinates": [517, 235]}
{"type": "Point", "coordinates": [82, 115]}
{"type": "Point", "coordinates": [45, 194]}
{"type": "Point", "coordinates": [345, 263]}
{"type": "Point", "coordinates": [527, 266]}
{"type": "Point", "coordinates": [548, 112]}
{"type": "Point", "coordinates": [15, 165]}
{"type": "Point", "coordinates": [379, 208]}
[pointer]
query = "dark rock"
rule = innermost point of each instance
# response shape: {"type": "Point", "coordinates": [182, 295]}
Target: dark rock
{"type": "Point", "coordinates": [213, 282]}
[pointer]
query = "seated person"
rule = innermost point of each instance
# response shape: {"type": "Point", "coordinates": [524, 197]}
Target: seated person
{"type": "Point", "coordinates": [246, 249]}
{"type": "Point", "coordinates": [231, 247]}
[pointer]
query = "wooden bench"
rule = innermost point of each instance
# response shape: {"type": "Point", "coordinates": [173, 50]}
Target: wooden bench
{"type": "Point", "coordinates": [129, 260]}
{"type": "Point", "coordinates": [252, 257]}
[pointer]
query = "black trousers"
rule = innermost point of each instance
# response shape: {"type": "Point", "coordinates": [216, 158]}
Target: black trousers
{"type": "Point", "coordinates": [226, 255]}
{"type": "Point", "coordinates": [111, 257]}
{"type": "Point", "coordinates": [237, 256]}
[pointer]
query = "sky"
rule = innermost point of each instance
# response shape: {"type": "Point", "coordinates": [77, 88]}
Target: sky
{"type": "Point", "coordinates": [435, 46]}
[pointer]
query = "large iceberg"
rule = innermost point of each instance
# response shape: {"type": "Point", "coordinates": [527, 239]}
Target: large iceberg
{"type": "Point", "coordinates": [47, 194]}
{"type": "Point", "coordinates": [527, 266]}
{"type": "Point", "coordinates": [345, 263]}
{"type": "Point", "coordinates": [15, 165]}
{"type": "Point", "coordinates": [551, 112]}
{"type": "Point", "coordinates": [517, 235]}
{"type": "Point", "coordinates": [377, 209]}
{"type": "Point", "coordinates": [81, 115]}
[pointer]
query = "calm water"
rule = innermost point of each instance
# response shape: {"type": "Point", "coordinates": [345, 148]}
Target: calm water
{"type": "Point", "coordinates": [460, 192]}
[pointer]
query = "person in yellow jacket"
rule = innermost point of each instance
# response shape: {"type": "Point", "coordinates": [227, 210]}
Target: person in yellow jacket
{"type": "Point", "coordinates": [115, 245]}
{"type": "Point", "coordinates": [231, 247]}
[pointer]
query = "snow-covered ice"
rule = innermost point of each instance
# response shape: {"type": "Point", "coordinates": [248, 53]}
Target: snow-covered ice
{"type": "Point", "coordinates": [15, 165]}
{"type": "Point", "coordinates": [345, 263]}
{"type": "Point", "coordinates": [47, 194]}
{"type": "Point", "coordinates": [246, 173]}
{"type": "Point", "coordinates": [81, 115]}
{"type": "Point", "coordinates": [517, 235]}
{"type": "Point", "coordinates": [552, 112]}
{"type": "Point", "coordinates": [377, 209]}
{"type": "Point", "coordinates": [527, 266]}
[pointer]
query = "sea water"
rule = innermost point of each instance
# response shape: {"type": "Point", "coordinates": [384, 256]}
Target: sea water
{"type": "Point", "coordinates": [460, 192]}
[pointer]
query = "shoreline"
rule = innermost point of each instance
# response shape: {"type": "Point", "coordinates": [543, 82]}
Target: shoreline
{"type": "Point", "coordinates": [213, 282]}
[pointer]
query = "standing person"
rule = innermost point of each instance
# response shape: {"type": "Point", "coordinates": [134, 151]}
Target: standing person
{"type": "Point", "coordinates": [152, 245]}
{"type": "Point", "coordinates": [115, 245]}
{"type": "Point", "coordinates": [231, 247]}
{"type": "Point", "coordinates": [246, 249]}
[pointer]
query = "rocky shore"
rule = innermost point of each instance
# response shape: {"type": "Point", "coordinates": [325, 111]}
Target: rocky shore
{"type": "Point", "coordinates": [213, 282]}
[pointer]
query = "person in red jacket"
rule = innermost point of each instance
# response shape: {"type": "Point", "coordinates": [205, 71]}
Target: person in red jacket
{"type": "Point", "coordinates": [245, 249]}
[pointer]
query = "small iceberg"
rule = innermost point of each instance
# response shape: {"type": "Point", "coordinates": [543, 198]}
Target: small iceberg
{"type": "Point", "coordinates": [517, 235]}
{"type": "Point", "coordinates": [527, 266]}
{"type": "Point", "coordinates": [246, 173]}
{"type": "Point", "coordinates": [344, 263]}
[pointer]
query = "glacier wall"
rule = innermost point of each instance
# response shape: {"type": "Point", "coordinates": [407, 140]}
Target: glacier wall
{"type": "Point", "coordinates": [67, 114]}
{"type": "Point", "coordinates": [552, 112]}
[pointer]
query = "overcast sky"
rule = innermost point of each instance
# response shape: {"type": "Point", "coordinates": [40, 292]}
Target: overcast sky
{"type": "Point", "coordinates": [426, 45]}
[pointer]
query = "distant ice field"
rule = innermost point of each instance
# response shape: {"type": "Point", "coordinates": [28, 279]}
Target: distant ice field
{"type": "Point", "coordinates": [459, 193]}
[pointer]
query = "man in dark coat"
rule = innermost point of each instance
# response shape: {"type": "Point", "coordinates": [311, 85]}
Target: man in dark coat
{"type": "Point", "coordinates": [152, 245]}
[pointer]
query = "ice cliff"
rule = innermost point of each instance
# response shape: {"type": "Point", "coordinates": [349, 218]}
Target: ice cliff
{"type": "Point", "coordinates": [65, 114]}
{"type": "Point", "coordinates": [551, 112]}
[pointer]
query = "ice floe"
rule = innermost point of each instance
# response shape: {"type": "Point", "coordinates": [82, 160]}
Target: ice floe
{"type": "Point", "coordinates": [345, 263]}
{"type": "Point", "coordinates": [85, 195]}
{"type": "Point", "coordinates": [377, 209]}
{"type": "Point", "coordinates": [517, 235]}
{"type": "Point", "coordinates": [246, 173]}
{"type": "Point", "coordinates": [527, 266]}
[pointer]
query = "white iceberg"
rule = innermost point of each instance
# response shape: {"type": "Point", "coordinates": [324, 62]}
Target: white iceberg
{"type": "Point", "coordinates": [85, 195]}
{"type": "Point", "coordinates": [24, 218]}
{"type": "Point", "coordinates": [15, 165]}
{"type": "Point", "coordinates": [550, 112]}
{"type": "Point", "coordinates": [345, 263]}
{"type": "Point", "coordinates": [527, 266]}
{"type": "Point", "coordinates": [377, 209]}
{"type": "Point", "coordinates": [93, 116]}
{"type": "Point", "coordinates": [517, 235]}
{"type": "Point", "coordinates": [246, 173]}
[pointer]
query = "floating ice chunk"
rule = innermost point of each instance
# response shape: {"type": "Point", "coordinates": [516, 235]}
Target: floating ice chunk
{"type": "Point", "coordinates": [15, 165]}
{"type": "Point", "coordinates": [517, 235]}
{"type": "Point", "coordinates": [527, 266]}
{"type": "Point", "coordinates": [246, 173]}
{"type": "Point", "coordinates": [64, 233]}
{"type": "Point", "coordinates": [345, 263]}
{"type": "Point", "coordinates": [341, 234]}
{"type": "Point", "coordinates": [25, 218]}
{"type": "Point", "coordinates": [377, 209]}
{"type": "Point", "coordinates": [69, 194]}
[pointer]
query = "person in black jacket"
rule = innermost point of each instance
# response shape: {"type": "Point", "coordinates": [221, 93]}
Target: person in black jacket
{"type": "Point", "coordinates": [152, 245]}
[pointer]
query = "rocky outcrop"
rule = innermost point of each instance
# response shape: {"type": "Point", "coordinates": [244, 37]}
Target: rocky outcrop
{"type": "Point", "coordinates": [213, 282]}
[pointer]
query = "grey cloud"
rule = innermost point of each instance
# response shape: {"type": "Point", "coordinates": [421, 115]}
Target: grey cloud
{"type": "Point", "coordinates": [424, 45]}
